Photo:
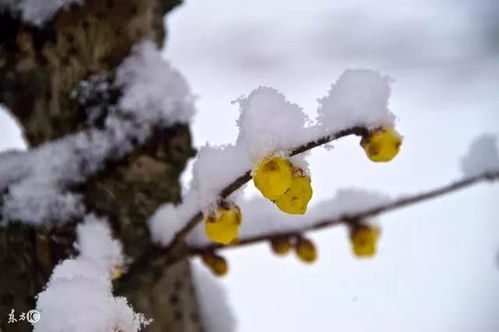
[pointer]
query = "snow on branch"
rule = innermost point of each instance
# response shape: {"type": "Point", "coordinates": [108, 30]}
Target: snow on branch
{"type": "Point", "coordinates": [482, 157]}
{"type": "Point", "coordinates": [36, 182]}
{"type": "Point", "coordinates": [357, 104]}
{"type": "Point", "coordinates": [152, 90]}
{"type": "Point", "coordinates": [271, 126]}
{"type": "Point", "coordinates": [268, 123]}
{"type": "Point", "coordinates": [352, 207]}
{"type": "Point", "coordinates": [348, 206]}
{"type": "Point", "coordinates": [78, 296]}
{"type": "Point", "coordinates": [359, 99]}
{"type": "Point", "coordinates": [480, 164]}
{"type": "Point", "coordinates": [171, 224]}
{"type": "Point", "coordinates": [262, 218]}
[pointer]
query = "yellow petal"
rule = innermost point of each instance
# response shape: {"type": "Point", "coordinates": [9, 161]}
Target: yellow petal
{"type": "Point", "coordinates": [272, 176]}
{"type": "Point", "coordinates": [295, 200]}
{"type": "Point", "coordinates": [382, 145]}
{"type": "Point", "coordinates": [364, 240]}
{"type": "Point", "coordinates": [217, 264]}
{"type": "Point", "coordinates": [220, 266]}
{"type": "Point", "coordinates": [223, 226]}
{"type": "Point", "coordinates": [280, 245]}
{"type": "Point", "coordinates": [306, 251]}
{"type": "Point", "coordinates": [208, 259]}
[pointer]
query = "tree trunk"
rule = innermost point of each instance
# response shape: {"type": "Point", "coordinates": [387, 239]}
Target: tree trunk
{"type": "Point", "coordinates": [39, 68]}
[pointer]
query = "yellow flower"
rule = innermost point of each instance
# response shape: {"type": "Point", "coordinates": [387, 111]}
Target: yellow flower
{"type": "Point", "coordinates": [364, 240]}
{"type": "Point", "coordinates": [272, 176]}
{"type": "Point", "coordinates": [217, 264]}
{"type": "Point", "coordinates": [208, 258]}
{"type": "Point", "coordinates": [280, 245]}
{"type": "Point", "coordinates": [295, 200]}
{"type": "Point", "coordinates": [222, 225]}
{"type": "Point", "coordinates": [220, 266]}
{"type": "Point", "coordinates": [382, 145]}
{"type": "Point", "coordinates": [305, 250]}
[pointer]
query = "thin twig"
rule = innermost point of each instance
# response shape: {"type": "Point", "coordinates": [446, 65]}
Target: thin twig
{"type": "Point", "coordinates": [348, 218]}
{"type": "Point", "coordinates": [240, 181]}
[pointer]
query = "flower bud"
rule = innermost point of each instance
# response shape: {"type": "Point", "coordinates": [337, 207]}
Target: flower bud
{"type": "Point", "coordinates": [305, 250]}
{"type": "Point", "coordinates": [222, 225]}
{"type": "Point", "coordinates": [280, 245]}
{"type": "Point", "coordinates": [382, 145]}
{"type": "Point", "coordinates": [364, 240]}
{"type": "Point", "coordinates": [272, 176]}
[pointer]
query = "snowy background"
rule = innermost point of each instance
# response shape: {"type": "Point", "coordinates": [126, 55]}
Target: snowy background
{"type": "Point", "coordinates": [437, 269]}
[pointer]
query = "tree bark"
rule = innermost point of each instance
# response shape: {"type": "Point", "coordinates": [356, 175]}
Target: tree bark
{"type": "Point", "coordinates": [39, 69]}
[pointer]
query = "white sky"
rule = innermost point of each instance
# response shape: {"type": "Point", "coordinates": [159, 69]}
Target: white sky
{"type": "Point", "coordinates": [437, 268]}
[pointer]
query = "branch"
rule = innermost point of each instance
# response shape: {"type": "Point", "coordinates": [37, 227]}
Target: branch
{"type": "Point", "coordinates": [240, 181]}
{"type": "Point", "coordinates": [351, 218]}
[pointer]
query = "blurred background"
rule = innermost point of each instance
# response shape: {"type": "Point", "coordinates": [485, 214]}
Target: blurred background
{"type": "Point", "coordinates": [438, 263]}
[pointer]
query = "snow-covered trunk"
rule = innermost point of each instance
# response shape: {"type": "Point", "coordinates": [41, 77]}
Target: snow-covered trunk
{"type": "Point", "coordinates": [40, 66]}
